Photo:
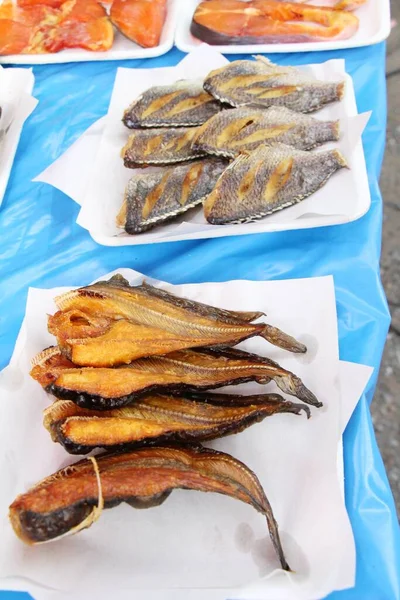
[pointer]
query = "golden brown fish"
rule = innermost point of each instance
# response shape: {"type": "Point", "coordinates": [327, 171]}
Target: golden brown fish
{"type": "Point", "coordinates": [260, 83]}
{"type": "Point", "coordinates": [244, 129]}
{"type": "Point", "coordinates": [268, 179]}
{"type": "Point", "coordinates": [73, 498]}
{"type": "Point", "coordinates": [159, 147]}
{"type": "Point", "coordinates": [157, 419]}
{"type": "Point", "coordinates": [181, 104]}
{"type": "Point", "coordinates": [111, 323]}
{"type": "Point", "coordinates": [156, 197]}
{"type": "Point", "coordinates": [185, 370]}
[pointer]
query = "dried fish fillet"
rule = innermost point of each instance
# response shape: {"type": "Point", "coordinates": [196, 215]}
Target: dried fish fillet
{"type": "Point", "coordinates": [72, 499]}
{"type": "Point", "coordinates": [185, 370]}
{"type": "Point", "coordinates": [159, 147]}
{"type": "Point", "coordinates": [154, 198]}
{"type": "Point", "coordinates": [111, 323]}
{"type": "Point", "coordinates": [260, 83]}
{"type": "Point", "coordinates": [244, 129]}
{"type": "Point", "coordinates": [268, 179]}
{"type": "Point", "coordinates": [181, 104]}
{"type": "Point", "coordinates": [157, 419]}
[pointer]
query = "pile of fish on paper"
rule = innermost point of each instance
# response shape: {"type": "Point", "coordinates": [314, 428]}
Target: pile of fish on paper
{"type": "Point", "coordinates": [131, 375]}
{"type": "Point", "coordinates": [239, 143]}
{"type": "Point", "coordinates": [223, 22]}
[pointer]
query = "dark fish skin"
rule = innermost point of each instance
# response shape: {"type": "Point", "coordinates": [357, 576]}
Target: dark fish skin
{"type": "Point", "coordinates": [260, 84]}
{"type": "Point", "coordinates": [156, 197]}
{"type": "Point", "coordinates": [181, 371]}
{"type": "Point", "coordinates": [268, 179]}
{"type": "Point", "coordinates": [157, 419]}
{"type": "Point", "coordinates": [72, 499]}
{"type": "Point", "coordinates": [181, 104]}
{"type": "Point", "coordinates": [159, 147]}
{"type": "Point", "coordinates": [244, 129]}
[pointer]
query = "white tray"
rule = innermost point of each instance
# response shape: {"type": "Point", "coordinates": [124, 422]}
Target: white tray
{"type": "Point", "coordinates": [122, 47]}
{"type": "Point", "coordinates": [374, 27]}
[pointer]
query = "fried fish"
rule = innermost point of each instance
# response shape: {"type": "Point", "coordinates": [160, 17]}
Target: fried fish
{"type": "Point", "coordinates": [159, 147]}
{"type": "Point", "coordinates": [153, 198]}
{"type": "Point", "coordinates": [73, 498]}
{"type": "Point", "coordinates": [181, 104]}
{"type": "Point", "coordinates": [260, 83]}
{"type": "Point", "coordinates": [244, 129]}
{"type": "Point", "coordinates": [112, 323]}
{"type": "Point", "coordinates": [157, 419]}
{"type": "Point", "coordinates": [268, 179]}
{"type": "Point", "coordinates": [185, 370]}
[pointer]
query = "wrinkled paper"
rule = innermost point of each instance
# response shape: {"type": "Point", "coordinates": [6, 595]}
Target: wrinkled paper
{"type": "Point", "coordinates": [200, 545]}
{"type": "Point", "coordinates": [16, 105]}
{"type": "Point", "coordinates": [100, 190]}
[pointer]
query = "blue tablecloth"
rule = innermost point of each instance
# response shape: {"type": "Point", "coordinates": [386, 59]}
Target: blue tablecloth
{"type": "Point", "coordinates": [42, 246]}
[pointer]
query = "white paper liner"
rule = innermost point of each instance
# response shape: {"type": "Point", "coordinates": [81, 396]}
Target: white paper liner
{"type": "Point", "coordinates": [200, 545]}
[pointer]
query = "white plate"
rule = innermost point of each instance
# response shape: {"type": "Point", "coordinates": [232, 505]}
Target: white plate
{"type": "Point", "coordinates": [16, 87]}
{"type": "Point", "coordinates": [122, 47]}
{"type": "Point", "coordinates": [374, 27]}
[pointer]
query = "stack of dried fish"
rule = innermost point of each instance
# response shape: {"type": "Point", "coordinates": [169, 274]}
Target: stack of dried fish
{"type": "Point", "coordinates": [251, 111]}
{"type": "Point", "coordinates": [131, 374]}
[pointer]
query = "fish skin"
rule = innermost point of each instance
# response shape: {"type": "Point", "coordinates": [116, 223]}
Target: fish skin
{"type": "Point", "coordinates": [180, 104]}
{"type": "Point", "coordinates": [268, 179]}
{"type": "Point", "coordinates": [184, 370]}
{"type": "Point", "coordinates": [244, 129]}
{"type": "Point", "coordinates": [240, 83]}
{"type": "Point", "coordinates": [72, 498]}
{"type": "Point", "coordinates": [167, 193]}
{"type": "Point", "coordinates": [157, 419]}
{"type": "Point", "coordinates": [159, 147]}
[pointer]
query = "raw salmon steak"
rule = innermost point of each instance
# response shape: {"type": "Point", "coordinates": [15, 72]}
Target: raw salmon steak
{"type": "Point", "coordinates": [269, 22]}
{"type": "Point", "coordinates": [141, 21]}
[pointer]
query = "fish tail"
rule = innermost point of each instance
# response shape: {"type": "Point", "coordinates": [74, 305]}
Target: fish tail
{"type": "Point", "coordinates": [292, 385]}
{"type": "Point", "coordinates": [335, 129]}
{"type": "Point", "coordinates": [341, 160]}
{"type": "Point", "coordinates": [281, 339]}
{"type": "Point", "coordinates": [340, 89]}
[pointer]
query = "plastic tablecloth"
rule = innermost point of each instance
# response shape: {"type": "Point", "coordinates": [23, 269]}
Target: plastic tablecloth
{"type": "Point", "coordinates": [42, 246]}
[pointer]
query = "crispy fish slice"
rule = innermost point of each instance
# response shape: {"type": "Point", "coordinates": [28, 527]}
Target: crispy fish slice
{"type": "Point", "coordinates": [268, 179]}
{"type": "Point", "coordinates": [159, 147]}
{"type": "Point", "coordinates": [111, 323]}
{"type": "Point", "coordinates": [158, 419]}
{"type": "Point", "coordinates": [154, 198]}
{"type": "Point", "coordinates": [108, 388]}
{"type": "Point", "coordinates": [260, 83]}
{"type": "Point", "coordinates": [244, 129]}
{"type": "Point", "coordinates": [181, 104]}
{"type": "Point", "coordinates": [269, 22]}
{"type": "Point", "coordinates": [72, 498]}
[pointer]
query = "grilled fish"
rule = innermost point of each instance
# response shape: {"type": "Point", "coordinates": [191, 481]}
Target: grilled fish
{"type": "Point", "coordinates": [157, 419]}
{"type": "Point", "coordinates": [268, 179]}
{"type": "Point", "coordinates": [244, 129]}
{"type": "Point", "coordinates": [185, 370]}
{"type": "Point", "coordinates": [260, 83]}
{"type": "Point", "coordinates": [153, 198]}
{"type": "Point", "coordinates": [181, 104]}
{"type": "Point", "coordinates": [72, 499]}
{"type": "Point", "coordinates": [269, 22]}
{"type": "Point", "coordinates": [111, 323]}
{"type": "Point", "coordinates": [159, 147]}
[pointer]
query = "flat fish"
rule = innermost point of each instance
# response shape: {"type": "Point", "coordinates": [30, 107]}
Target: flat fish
{"type": "Point", "coordinates": [112, 323]}
{"type": "Point", "coordinates": [184, 370]}
{"type": "Point", "coordinates": [156, 419]}
{"type": "Point", "coordinates": [244, 129]}
{"type": "Point", "coordinates": [157, 197]}
{"type": "Point", "coordinates": [268, 179]}
{"type": "Point", "coordinates": [181, 104]}
{"type": "Point", "coordinates": [160, 147]}
{"type": "Point", "coordinates": [260, 83]}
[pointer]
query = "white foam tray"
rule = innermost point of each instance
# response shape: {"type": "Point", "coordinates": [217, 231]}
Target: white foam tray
{"type": "Point", "coordinates": [122, 47]}
{"type": "Point", "coordinates": [374, 28]}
